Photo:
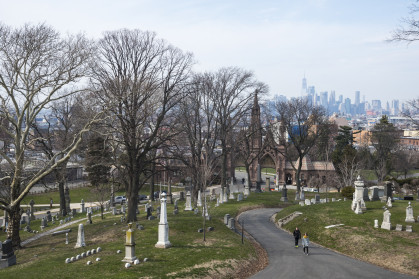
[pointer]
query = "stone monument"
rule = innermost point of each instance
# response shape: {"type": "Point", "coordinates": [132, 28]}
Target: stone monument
{"type": "Point", "coordinates": [389, 204]}
{"type": "Point", "coordinates": [129, 246]}
{"type": "Point", "coordinates": [246, 190]}
{"type": "Point", "coordinates": [82, 210]}
{"type": "Point", "coordinates": [188, 204]}
{"type": "Point", "coordinates": [386, 224]}
{"type": "Point", "coordinates": [80, 237]}
{"type": "Point", "coordinates": [284, 193]}
{"type": "Point", "coordinates": [388, 191]}
{"type": "Point", "coordinates": [8, 257]}
{"type": "Point", "coordinates": [163, 241]}
{"type": "Point", "coordinates": [409, 214]}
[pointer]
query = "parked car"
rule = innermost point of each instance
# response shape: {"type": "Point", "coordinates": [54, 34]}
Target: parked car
{"type": "Point", "coordinates": [142, 197]}
{"type": "Point", "coordinates": [120, 199]}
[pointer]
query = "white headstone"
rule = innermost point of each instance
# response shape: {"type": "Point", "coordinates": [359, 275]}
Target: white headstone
{"type": "Point", "coordinates": [386, 220]}
{"type": "Point", "coordinates": [307, 202]}
{"type": "Point", "coordinates": [188, 204]}
{"type": "Point", "coordinates": [376, 223]}
{"type": "Point", "coordinates": [80, 237]}
{"type": "Point", "coordinates": [409, 214]}
{"type": "Point", "coordinates": [389, 204]}
{"type": "Point", "coordinates": [199, 200]}
{"type": "Point", "coordinates": [358, 208]}
{"type": "Point", "coordinates": [163, 241]}
{"type": "Point", "coordinates": [399, 227]}
{"type": "Point", "coordinates": [129, 246]}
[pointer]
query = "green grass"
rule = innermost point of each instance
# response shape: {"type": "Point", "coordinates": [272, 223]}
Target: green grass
{"type": "Point", "coordinates": [190, 256]}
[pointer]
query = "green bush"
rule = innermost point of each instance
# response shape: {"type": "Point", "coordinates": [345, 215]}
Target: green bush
{"type": "Point", "coordinates": [348, 191]}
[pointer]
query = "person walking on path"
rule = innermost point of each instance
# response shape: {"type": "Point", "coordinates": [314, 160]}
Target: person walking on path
{"type": "Point", "coordinates": [305, 241]}
{"type": "Point", "coordinates": [297, 236]}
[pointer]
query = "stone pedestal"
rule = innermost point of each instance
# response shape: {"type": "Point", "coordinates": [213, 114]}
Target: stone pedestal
{"type": "Point", "coordinates": [386, 221]}
{"type": "Point", "coordinates": [358, 208]}
{"type": "Point", "coordinates": [129, 246]}
{"type": "Point", "coordinates": [188, 204]}
{"type": "Point", "coordinates": [82, 209]}
{"type": "Point", "coordinates": [389, 203]}
{"type": "Point", "coordinates": [80, 237]}
{"type": "Point", "coordinates": [409, 214]}
{"type": "Point", "coordinates": [225, 197]}
{"type": "Point", "coordinates": [163, 241]}
{"type": "Point", "coordinates": [246, 190]}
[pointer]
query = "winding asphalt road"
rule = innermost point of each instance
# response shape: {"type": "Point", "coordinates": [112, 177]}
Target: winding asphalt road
{"type": "Point", "coordinates": [286, 261]}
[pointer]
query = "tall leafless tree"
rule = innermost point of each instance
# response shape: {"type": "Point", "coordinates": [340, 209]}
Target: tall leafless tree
{"type": "Point", "coordinates": [140, 78]}
{"type": "Point", "coordinates": [37, 67]}
{"type": "Point", "coordinates": [300, 126]}
{"type": "Point", "coordinates": [232, 90]}
{"type": "Point", "coordinates": [196, 145]}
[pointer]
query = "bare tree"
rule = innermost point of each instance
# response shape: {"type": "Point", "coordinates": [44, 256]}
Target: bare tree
{"type": "Point", "coordinates": [56, 133]}
{"type": "Point", "coordinates": [299, 130]}
{"type": "Point", "coordinates": [140, 79]}
{"type": "Point", "coordinates": [409, 32]}
{"type": "Point", "coordinates": [232, 90]}
{"type": "Point", "coordinates": [36, 65]}
{"type": "Point", "coordinates": [196, 144]}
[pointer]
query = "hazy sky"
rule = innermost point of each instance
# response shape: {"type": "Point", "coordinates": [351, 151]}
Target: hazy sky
{"type": "Point", "coordinates": [339, 45]}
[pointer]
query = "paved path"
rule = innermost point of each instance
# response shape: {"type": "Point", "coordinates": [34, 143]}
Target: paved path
{"type": "Point", "coordinates": [286, 261]}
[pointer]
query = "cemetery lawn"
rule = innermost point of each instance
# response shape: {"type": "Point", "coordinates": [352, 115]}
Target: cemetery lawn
{"type": "Point", "coordinates": [222, 255]}
{"type": "Point", "coordinates": [358, 238]}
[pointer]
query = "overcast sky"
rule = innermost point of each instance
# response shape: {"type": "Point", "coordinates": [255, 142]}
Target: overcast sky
{"type": "Point", "coordinates": [339, 45]}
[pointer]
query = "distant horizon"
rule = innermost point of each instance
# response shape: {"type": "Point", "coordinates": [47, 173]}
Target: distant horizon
{"type": "Point", "coordinates": [337, 45]}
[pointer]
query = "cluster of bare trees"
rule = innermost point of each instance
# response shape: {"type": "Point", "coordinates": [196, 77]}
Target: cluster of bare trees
{"type": "Point", "coordinates": [130, 87]}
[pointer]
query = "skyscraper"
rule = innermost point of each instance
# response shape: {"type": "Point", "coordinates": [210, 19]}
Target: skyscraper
{"type": "Point", "coordinates": [357, 98]}
{"type": "Point", "coordinates": [332, 97]}
{"type": "Point", "coordinates": [323, 99]}
{"type": "Point", "coordinates": [304, 86]}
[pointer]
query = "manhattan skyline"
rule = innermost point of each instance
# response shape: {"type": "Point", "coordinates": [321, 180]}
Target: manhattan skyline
{"type": "Point", "coordinates": [337, 45]}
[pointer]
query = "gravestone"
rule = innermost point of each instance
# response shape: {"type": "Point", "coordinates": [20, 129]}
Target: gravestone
{"type": "Point", "coordinates": [375, 196]}
{"type": "Point", "coordinates": [80, 237]}
{"type": "Point", "coordinates": [301, 203]}
{"type": "Point", "coordinates": [284, 193]}
{"type": "Point", "coordinates": [8, 257]}
{"type": "Point", "coordinates": [333, 199]}
{"type": "Point", "coordinates": [408, 228]}
{"type": "Point", "coordinates": [181, 195]}
{"type": "Point", "coordinates": [82, 209]}
{"type": "Point", "coordinates": [302, 195]}
{"type": "Point", "coordinates": [218, 202]}
{"type": "Point", "coordinates": [246, 190]}
{"type": "Point", "coordinates": [32, 203]}
{"type": "Point", "coordinates": [399, 227]}
{"type": "Point", "coordinates": [240, 197]}
{"type": "Point", "coordinates": [66, 238]}
{"type": "Point", "coordinates": [163, 238]}
{"type": "Point", "coordinates": [358, 208]}
{"type": "Point", "coordinates": [199, 199]}
{"type": "Point", "coordinates": [409, 214]}
{"type": "Point", "coordinates": [23, 220]}
{"type": "Point", "coordinates": [388, 191]}
{"type": "Point", "coordinates": [313, 201]}
{"type": "Point", "coordinates": [386, 224]}
{"type": "Point", "coordinates": [226, 218]}
{"type": "Point", "coordinates": [89, 217]}
{"type": "Point", "coordinates": [389, 204]}
{"type": "Point", "coordinates": [376, 223]}
{"type": "Point", "coordinates": [213, 196]}
{"type": "Point", "coordinates": [188, 204]}
{"type": "Point", "coordinates": [123, 209]}
{"type": "Point", "coordinates": [366, 197]}
{"type": "Point", "coordinates": [196, 211]}
{"type": "Point", "coordinates": [225, 197]}
{"type": "Point", "coordinates": [43, 223]}
{"type": "Point", "coordinates": [317, 197]}
{"type": "Point", "coordinates": [113, 211]}
{"type": "Point", "coordinates": [129, 245]}
{"type": "Point", "coordinates": [49, 216]}
{"type": "Point", "coordinates": [358, 194]}
{"type": "Point", "coordinates": [307, 202]}
{"type": "Point", "coordinates": [231, 224]}
{"type": "Point", "coordinates": [231, 197]}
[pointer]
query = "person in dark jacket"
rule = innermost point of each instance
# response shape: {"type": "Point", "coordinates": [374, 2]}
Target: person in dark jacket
{"type": "Point", "coordinates": [297, 236]}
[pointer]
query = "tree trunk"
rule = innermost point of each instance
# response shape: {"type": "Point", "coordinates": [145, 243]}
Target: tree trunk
{"type": "Point", "coordinates": [224, 185]}
{"type": "Point", "coordinates": [14, 225]}
{"type": "Point", "coordinates": [132, 193]}
{"type": "Point", "coordinates": [63, 207]}
{"type": "Point", "coordinates": [101, 210]}
{"type": "Point", "coordinates": [153, 169]}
